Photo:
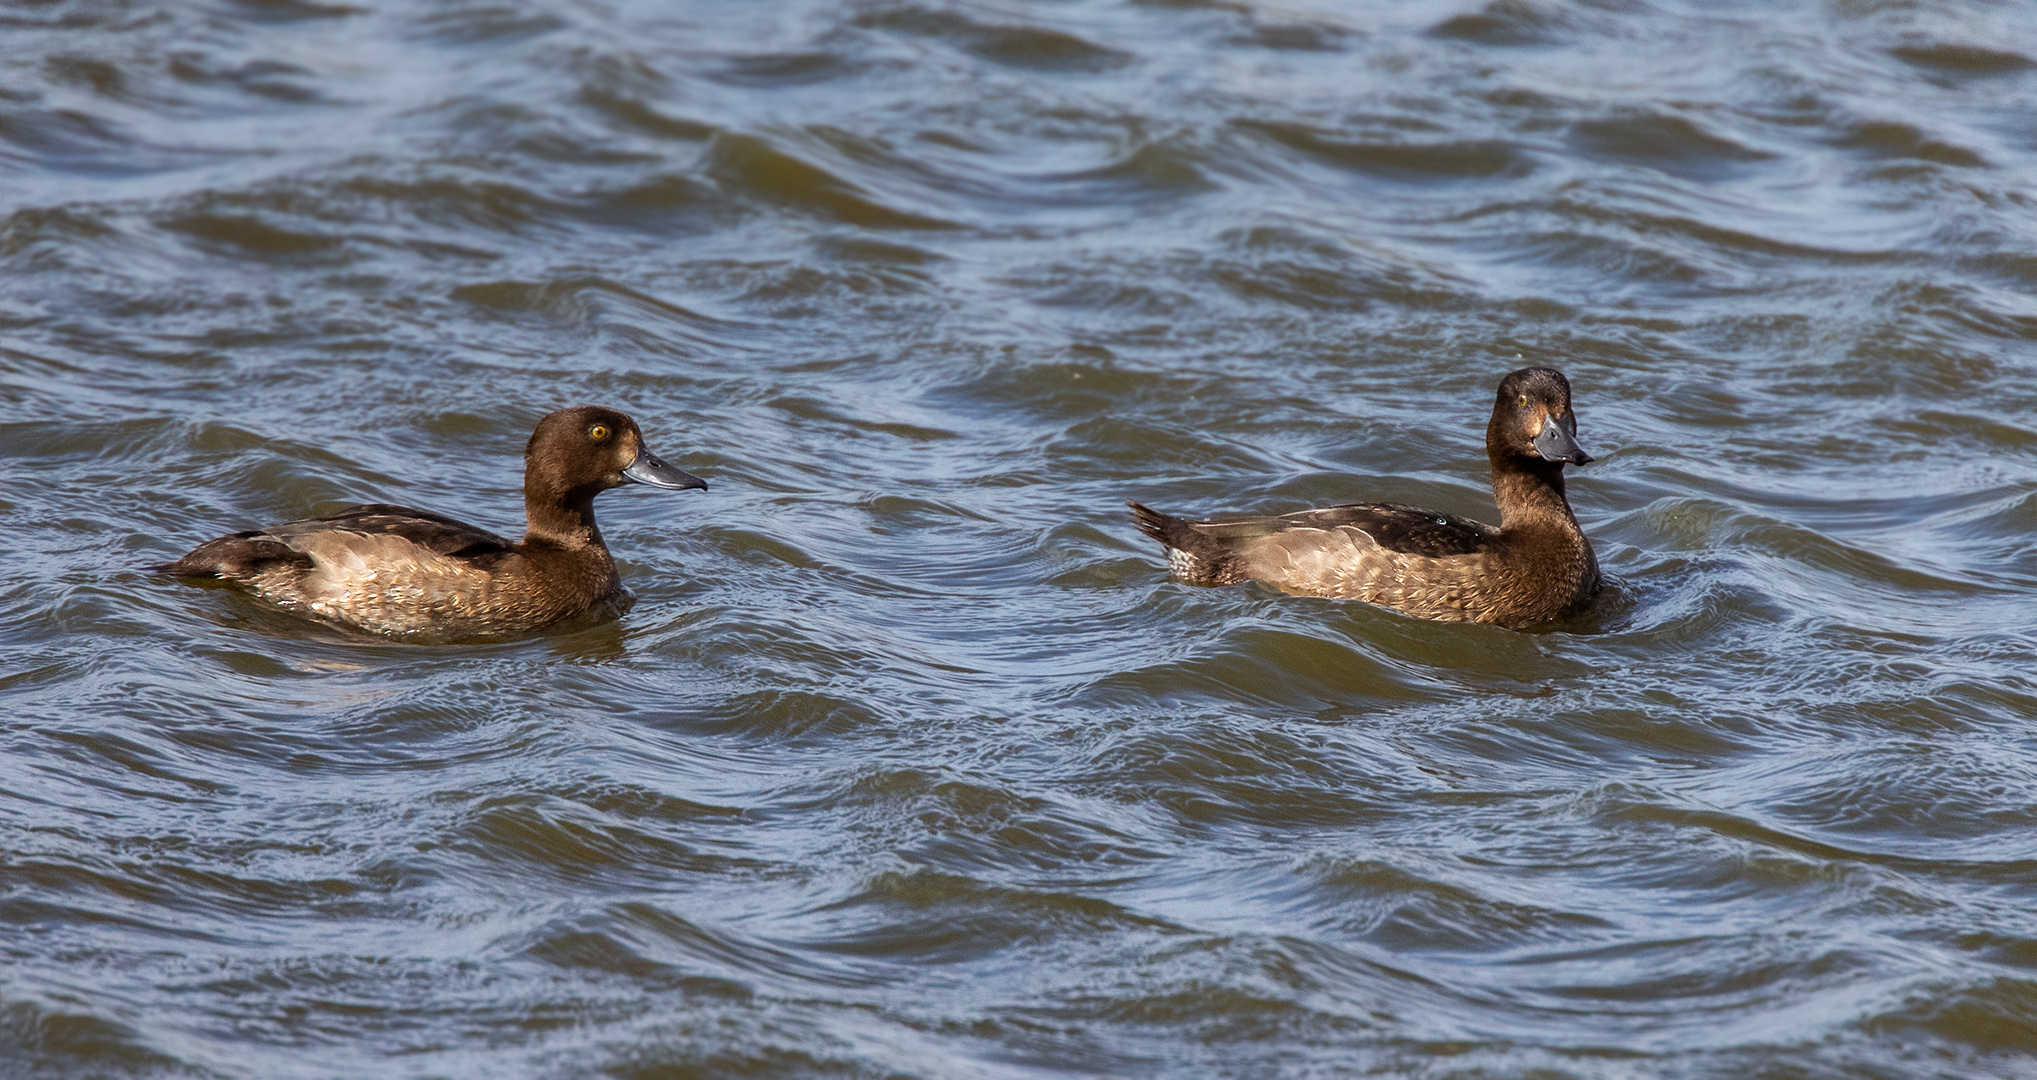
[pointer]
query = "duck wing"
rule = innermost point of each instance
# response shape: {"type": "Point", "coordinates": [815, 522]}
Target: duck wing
{"type": "Point", "coordinates": [1384, 553]}
{"type": "Point", "coordinates": [294, 547]}
{"type": "Point", "coordinates": [435, 533]}
{"type": "Point", "coordinates": [1417, 561]}
{"type": "Point", "coordinates": [1405, 530]}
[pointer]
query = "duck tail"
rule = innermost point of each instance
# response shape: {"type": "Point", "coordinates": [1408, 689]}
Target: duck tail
{"type": "Point", "coordinates": [1195, 556]}
{"type": "Point", "coordinates": [242, 555]}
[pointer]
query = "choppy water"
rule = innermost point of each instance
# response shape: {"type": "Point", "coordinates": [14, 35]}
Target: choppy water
{"type": "Point", "coordinates": [910, 761]}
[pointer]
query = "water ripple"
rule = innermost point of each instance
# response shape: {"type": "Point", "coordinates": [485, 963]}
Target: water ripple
{"type": "Point", "coordinates": [909, 758]}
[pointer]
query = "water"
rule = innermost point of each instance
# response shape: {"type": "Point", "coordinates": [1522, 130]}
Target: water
{"type": "Point", "coordinates": [910, 761]}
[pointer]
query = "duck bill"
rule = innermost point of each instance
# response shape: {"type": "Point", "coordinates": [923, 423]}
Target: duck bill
{"type": "Point", "coordinates": [1556, 443]}
{"type": "Point", "coordinates": [647, 469]}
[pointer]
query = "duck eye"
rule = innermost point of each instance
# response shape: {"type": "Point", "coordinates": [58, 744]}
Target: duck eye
{"type": "Point", "coordinates": [598, 432]}
{"type": "Point", "coordinates": [1524, 399]}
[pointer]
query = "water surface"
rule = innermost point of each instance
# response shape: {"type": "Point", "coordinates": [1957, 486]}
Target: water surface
{"type": "Point", "coordinates": [910, 760]}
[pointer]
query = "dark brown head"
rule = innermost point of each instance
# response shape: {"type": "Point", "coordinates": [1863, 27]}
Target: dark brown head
{"type": "Point", "coordinates": [1532, 420]}
{"type": "Point", "coordinates": [578, 453]}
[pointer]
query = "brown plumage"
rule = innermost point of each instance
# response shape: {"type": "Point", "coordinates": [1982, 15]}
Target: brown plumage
{"type": "Point", "coordinates": [394, 570]}
{"type": "Point", "coordinates": [1535, 567]}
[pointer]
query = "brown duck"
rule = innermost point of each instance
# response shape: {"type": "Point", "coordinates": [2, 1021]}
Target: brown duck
{"type": "Point", "coordinates": [1535, 567]}
{"type": "Point", "coordinates": [394, 570]}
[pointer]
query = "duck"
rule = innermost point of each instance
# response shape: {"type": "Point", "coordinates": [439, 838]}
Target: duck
{"type": "Point", "coordinates": [397, 571]}
{"type": "Point", "coordinates": [1535, 567]}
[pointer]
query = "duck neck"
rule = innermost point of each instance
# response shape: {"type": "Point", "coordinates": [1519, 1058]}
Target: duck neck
{"type": "Point", "coordinates": [1529, 492]}
{"type": "Point", "coordinates": [563, 518]}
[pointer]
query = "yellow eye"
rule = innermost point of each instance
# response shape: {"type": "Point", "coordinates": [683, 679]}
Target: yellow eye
{"type": "Point", "coordinates": [598, 432]}
{"type": "Point", "coordinates": [1524, 399]}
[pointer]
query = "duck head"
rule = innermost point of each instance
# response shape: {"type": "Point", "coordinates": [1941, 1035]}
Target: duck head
{"type": "Point", "coordinates": [1532, 418]}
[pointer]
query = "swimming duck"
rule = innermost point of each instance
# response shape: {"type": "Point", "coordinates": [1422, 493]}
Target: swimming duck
{"type": "Point", "coordinates": [394, 570]}
{"type": "Point", "coordinates": [1535, 567]}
